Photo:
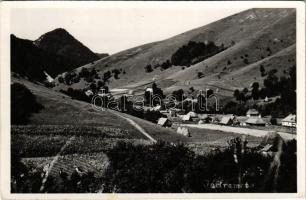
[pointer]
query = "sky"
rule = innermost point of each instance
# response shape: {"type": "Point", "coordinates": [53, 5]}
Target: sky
{"type": "Point", "coordinates": [111, 30]}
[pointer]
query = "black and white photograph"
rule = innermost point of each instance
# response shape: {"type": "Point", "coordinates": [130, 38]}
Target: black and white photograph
{"type": "Point", "coordinates": [153, 97]}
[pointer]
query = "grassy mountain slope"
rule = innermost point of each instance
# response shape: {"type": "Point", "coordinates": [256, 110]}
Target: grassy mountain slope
{"type": "Point", "coordinates": [59, 109]}
{"type": "Point", "coordinates": [254, 37]}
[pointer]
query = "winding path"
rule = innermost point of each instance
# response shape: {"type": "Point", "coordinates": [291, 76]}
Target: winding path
{"type": "Point", "coordinates": [139, 128]}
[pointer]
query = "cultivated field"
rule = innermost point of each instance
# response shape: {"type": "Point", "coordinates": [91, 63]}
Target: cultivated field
{"type": "Point", "coordinates": [71, 146]}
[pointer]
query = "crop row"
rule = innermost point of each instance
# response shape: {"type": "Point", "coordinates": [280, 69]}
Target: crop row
{"type": "Point", "coordinates": [42, 145]}
{"type": "Point", "coordinates": [69, 130]}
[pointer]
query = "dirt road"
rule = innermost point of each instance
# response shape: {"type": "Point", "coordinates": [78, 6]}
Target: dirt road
{"type": "Point", "coordinates": [240, 130]}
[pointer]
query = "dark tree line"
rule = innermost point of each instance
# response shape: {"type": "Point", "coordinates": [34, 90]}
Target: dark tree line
{"type": "Point", "coordinates": [163, 168]}
{"type": "Point", "coordinates": [155, 97]}
{"type": "Point", "coordinates": [194, 52]}
{"type": "Point", "coordinates": [285, 87]}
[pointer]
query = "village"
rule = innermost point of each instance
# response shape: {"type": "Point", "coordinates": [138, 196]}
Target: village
{"type": "Point", "coordinates": [174, 115]}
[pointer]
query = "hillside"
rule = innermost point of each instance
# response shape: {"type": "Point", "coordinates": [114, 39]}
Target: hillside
{"type": "Point", "coordinates": [60, 42]}
{"type": "Point", "coordinates": [29, 60]}
{"type": "Point", "coordinates": [251, 38]}
{"type": "Point", "coordinates": [61, 110]}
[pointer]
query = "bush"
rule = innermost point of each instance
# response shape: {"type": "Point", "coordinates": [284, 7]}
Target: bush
{"type": "Point", "coordinates": [200, 74]}
{"type": "Point", "coordinates": [245, 61]}
{"type": "Point", "coordinates": [148, 68]}
{"type": "Point", "coordinates": [60, 79]}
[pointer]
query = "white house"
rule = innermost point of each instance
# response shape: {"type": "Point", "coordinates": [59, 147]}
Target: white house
{"type": "Point", "coordinates": [48, 77]}
{"type": "Point", "coordinates": [89, 93]}
{"type": "Point", "coordinates": [289, 121]}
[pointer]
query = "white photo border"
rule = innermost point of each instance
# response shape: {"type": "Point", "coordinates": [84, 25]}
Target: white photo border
{"type": "Point", "coordinates": [6, 7]}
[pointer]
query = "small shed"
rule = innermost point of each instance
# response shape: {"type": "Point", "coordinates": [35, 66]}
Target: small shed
{"type": "Point", "coordinates": [289, 121]}
{"type": "Point", "coordinates": [183, 131]}
{"type": "Point", "coordinates": [164, 122]}
{"type": "Point", "coordinates": [89, 93]}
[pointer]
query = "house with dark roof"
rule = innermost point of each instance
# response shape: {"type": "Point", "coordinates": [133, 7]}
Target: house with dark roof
{"type": "Point", "coordinates": [229, 120]}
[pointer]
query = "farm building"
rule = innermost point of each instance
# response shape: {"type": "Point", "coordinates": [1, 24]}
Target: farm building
{"type": "Point", "coordinates": [200, 122]}
{"type": "Point", "coordinates": [192, 114]}
{"type": "Point", "coordinates": [255, 121]}
{"type": "Point", "coordinates": [164, 122]}
{"type": "Point", "coordinates": [289, 121]}
{"type": "Point", "coordinates": [229, 120]}
{"type": "Point", "coordinates": [252, 113]}
{"type": "Point", "coordinates": [186, 118]}
{"type": "Point", "coordinates": [215, 119]}
{"type": "Point", "coordinates": [205, 118]}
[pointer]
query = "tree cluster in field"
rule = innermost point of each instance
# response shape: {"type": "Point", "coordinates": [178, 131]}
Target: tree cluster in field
{"type": "Point", "coordinates": [23, 104]}
{"type": "Point", "coordinates": [156, 92]}
{"type": "Point", "coordinates": [80, 94]}
{"type": "Point", "coordinates": [114, 72]}
{"type": "Point", "coordinates": [74, 77]}
{"type": "Point", "coordinates": [194, 52]}
{"type": "Point", "coordinates": [163, 66]}
{"type": "Point", "coordinates": [77, 94]}
{"type": "Point", "coordinates": [88, 75]}
{"type": "Point", "coordinates": [187, 55]}
{"type": "Point", "coordinates": [285, 87]}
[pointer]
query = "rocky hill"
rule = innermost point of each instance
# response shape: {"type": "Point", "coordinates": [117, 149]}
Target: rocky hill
{"type": "Point", "coordinates": [60, 42]}
{"type": "Point", "coordinates": [54, 52]}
